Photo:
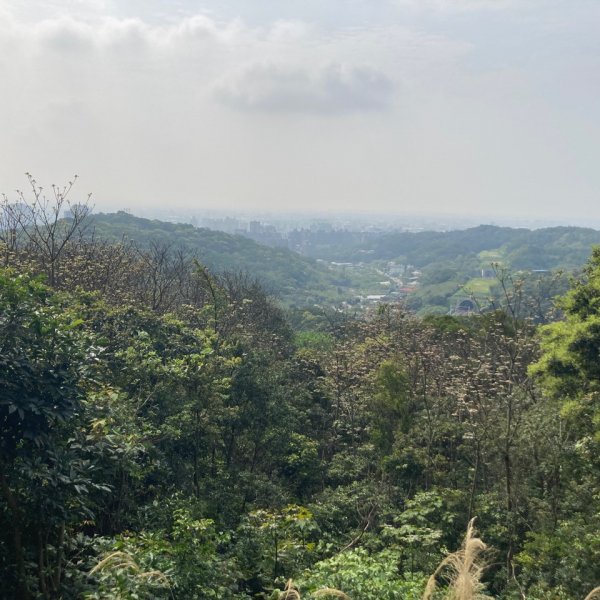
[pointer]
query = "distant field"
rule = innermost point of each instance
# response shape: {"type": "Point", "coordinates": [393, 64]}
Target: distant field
{"type": "Point", "coordinates": [487, 257]}
{"type": "Point", "coordinates": [478, 287]}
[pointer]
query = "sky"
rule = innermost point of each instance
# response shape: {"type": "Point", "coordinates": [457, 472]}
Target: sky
{"type": "Point", "coordinates": [468, 107]}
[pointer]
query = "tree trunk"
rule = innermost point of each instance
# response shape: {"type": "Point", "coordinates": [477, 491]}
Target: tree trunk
{"type": "Point", "coordinates": [23, 592]}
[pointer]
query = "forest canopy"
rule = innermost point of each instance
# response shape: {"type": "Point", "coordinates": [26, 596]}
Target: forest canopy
{"type": "Point", "coordinates": [167, 432]}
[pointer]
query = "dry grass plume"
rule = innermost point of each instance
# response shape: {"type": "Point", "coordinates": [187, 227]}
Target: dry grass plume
{"type": "Point", "coordinates": [594, 594]}
{"type": "Point", "coordinates": [331, 592]}
{"type": "Point", "coordinates": [462, 570]}
{"type": "Point", "coordinates": [291, 593]}
{"type": "Point", "coordinates": [122, 560]}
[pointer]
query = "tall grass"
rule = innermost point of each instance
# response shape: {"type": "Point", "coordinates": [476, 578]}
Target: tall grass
{"type": "Point", "coordinates": [122, 561]}
{"type": "Point", "coordinates": [291, 592]}
{"type": "Point", "coordinates": [462, 570]}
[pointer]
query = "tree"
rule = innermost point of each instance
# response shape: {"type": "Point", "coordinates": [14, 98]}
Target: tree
{"type": "Point", "coordinates": [569, 373]}
{"type": "Point", "coordinates": [47, 224]}
{"type": "Point", "coordinates": [570, 365]}
{"type": "Point", "coordinates": [45, 360]}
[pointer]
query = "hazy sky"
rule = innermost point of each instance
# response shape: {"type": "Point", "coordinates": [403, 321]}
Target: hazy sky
{"type": "Point", "coordinates": [466, 106]}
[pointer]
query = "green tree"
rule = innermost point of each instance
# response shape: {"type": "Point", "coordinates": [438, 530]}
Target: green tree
{"type": "Point", "coordinates": [569, 372]}
{"type": "Point", "coordinates": [46, 472]}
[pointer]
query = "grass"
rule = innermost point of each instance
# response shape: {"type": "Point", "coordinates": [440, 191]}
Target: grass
{"type": "Point", "coordinates": [122, 561]}
{"type": "Point", "coordinates": [462, 570]}
{"type": "Point", "coordinates": [479, 287]}
{"type": "Point", "coordinates": [487, 257]}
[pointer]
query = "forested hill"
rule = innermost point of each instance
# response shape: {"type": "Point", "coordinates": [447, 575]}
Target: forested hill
{"type": "Point", "coordinates": [547, 248]}
{"type": "Point", "coordinates": [287, 272]}
{"type": "Point", "coordinates": [293, 278]}
{"type": "Point", "coordinates": [451, 262]}
{"type": "Point", "coordinates": [168, 433]}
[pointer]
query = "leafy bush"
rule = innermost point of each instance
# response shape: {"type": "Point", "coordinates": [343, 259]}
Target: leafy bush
{"type": "Point", "coordinates": [363, 576]}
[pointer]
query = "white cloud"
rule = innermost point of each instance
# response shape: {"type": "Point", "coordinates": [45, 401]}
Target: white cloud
{"type": "Point", "coordinates": [65, 35]}
{"type": "Point", "coordinates": [431, 108]}
{"type": "Point", "coordinates": [288, 31]}
{"type": "Point", "coordinates": [459, 5]}
{"type": "Point", "coordinates": [330, 89]}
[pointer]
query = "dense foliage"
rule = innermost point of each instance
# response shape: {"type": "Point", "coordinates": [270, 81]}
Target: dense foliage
{"type": "Point", "coordinates": [165, 433]}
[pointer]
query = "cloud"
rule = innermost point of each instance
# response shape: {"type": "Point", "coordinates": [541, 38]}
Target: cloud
{"type": "Point", "coordinates": [459, 5]}
{"type": "Point", "coordinates": [72, 35]}
{"type": "Point", "coordinates": [288, 31]}
{"type": "Point", "coordinates": [64, 34]}
{"type": "Point", "coordinates": [333, 88]}
{"type": "Point", "coordinates": [135, 102]}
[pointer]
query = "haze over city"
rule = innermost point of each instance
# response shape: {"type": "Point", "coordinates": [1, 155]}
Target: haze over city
{"type": "Point", "coordinates": [465, 107]}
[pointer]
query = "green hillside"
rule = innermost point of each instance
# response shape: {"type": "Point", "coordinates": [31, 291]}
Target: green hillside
{"type": "Point", "coordinates": [457, 264]}
{"type": "Point", "coordinates": [170, 435]}
{"type": "Point", "coordinates": [547, 248]}
{"type": "Point", "coordinates": [451, 263]}
{"type": "Point", "coordinates": [296, 279]}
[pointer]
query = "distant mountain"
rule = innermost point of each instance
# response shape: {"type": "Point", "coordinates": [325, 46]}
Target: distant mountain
{"type": "Point", "coordinates": [449, 264]}
{"type": "Point", "coordinates": [549, 248]}
{"type": "Point", "coordinates": [296, 279]}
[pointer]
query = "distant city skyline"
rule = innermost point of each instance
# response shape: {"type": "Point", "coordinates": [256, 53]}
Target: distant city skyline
{"type": "Point", "coordinates": [353, 219]}
{"type": "Point", "coordinates": [482, 109]}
